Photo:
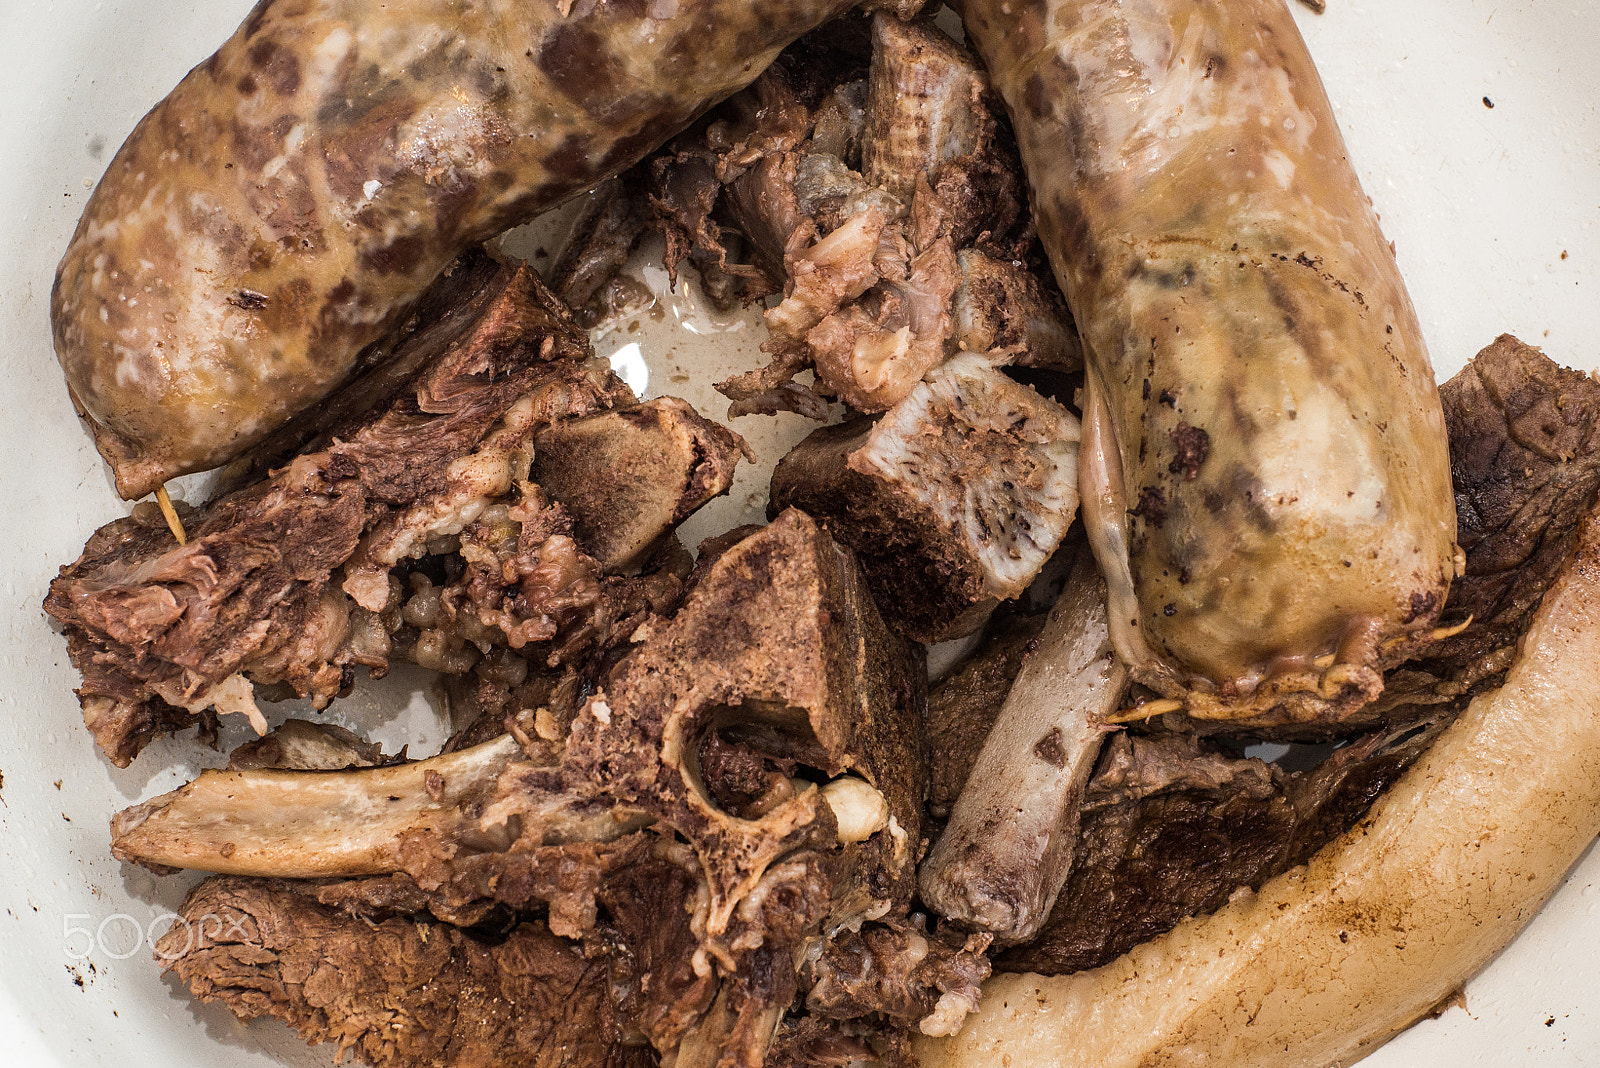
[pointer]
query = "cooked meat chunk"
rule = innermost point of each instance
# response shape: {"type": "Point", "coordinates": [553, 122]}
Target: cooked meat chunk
{"type": "Point", "coordinates": [954, 500]}
{"type": "Point", "coordinates": [888, 208]}
{"type": "Point", "coordinates": [775, 672]}
{"type": "Point", "coordinates": [1008, 311]}
{"type": "Point", "coordinates": [1171, 828]}
{"type": "Point", "coordinates": [1173, 825]}
{"type": "Point", "coordinates": [411, 533]}
{"type": "Point", "coordinates": [780, 648]}
{"type": "Point", "coordinates": [1524, 459]}
{"type": "Point", "coordinates": [630, 475]}
{"type": "Point", "coordinates": [396, 994]}
{"type": "Point", "coordinates": [281, 582]}
{"type": "Point", "coordinates": [900, 972]}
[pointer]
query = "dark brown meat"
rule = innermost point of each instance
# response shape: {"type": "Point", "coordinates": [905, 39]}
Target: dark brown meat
{"type": "Point", "coordinates": [257, 590]}
{"type": "Point", "coordinates": [1524, 459]}
{"type": "Point", "coordinates": [1171, 828]}
{"type": "Point", "coordinates": [396, 994]}
{"type": "Point", "coordinates": [780, 647]}
{"type": "Point", "coordinates": [954, 499]}
{"type": "Point", "coordinates": [777, 667]}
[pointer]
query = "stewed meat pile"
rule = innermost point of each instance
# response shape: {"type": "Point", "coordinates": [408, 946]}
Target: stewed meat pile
{"type": "Point", "coordinates": [686, 821]}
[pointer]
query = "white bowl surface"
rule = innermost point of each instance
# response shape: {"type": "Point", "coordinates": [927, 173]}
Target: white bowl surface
{"type": "Point", "coordinates": [1494, 212]}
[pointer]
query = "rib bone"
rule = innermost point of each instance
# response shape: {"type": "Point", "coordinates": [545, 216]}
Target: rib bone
{"type": "Point", "coordinates": [314, 824]}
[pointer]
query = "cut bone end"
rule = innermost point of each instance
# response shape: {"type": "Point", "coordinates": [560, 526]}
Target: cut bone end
{"type": "Point", "coordinates": [628, 476]}
{"type": "Point", "coordinates": [954, 500]}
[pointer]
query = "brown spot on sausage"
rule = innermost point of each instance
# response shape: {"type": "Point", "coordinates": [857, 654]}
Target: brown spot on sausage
{"type": "Point", "coordinates": [1152, 506]}
{"type": "Point", "coordinates": [1049, 749]}
{"type": "Point", "coordinates": [1192, 446]}
{"type": "Point", "coordinates": [1422, 603]}
{"type": "Point", "coordinates": [581, 65]}
{"type": "Point", "coordinates": [279, 65]}
{"type": "Point", "coordinates": [397, 257]}
{"type": "Point", "coordinates": [248, 299]}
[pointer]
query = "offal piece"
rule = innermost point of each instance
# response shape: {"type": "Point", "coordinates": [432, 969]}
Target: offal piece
{"type": "Point", "coordinates": [1328, 961]}
{"type": "Point", "coordinates": [953, 500]}
{"type": "Point", "coordinates": [398, 992]}
{"type": "Point", "coordinates": [630, 475]}
{"type": "Point", "coordinates": [1265, 475]}
{"type": "Point", "coordinates": [1173, 826]}
{"type": "Point", "coordinates": [1008, 847]}
{"type": "Point", "coordinates": [298, 191]}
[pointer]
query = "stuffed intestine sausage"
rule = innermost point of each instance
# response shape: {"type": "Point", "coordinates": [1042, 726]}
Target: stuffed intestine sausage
{"type": "Point", "coordinates": [286, 203]}
{"type": "Point", "coordinates": [1265, 475]}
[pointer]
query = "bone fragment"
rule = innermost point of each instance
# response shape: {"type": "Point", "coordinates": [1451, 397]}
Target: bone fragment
{"type": "Point", "coordinates": [1006, 851]}
{"type": "Point", "coordinates": [311, 824]}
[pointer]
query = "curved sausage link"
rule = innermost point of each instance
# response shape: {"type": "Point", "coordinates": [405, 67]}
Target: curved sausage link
{"type": "Point", "coordinates": [1272, 501]}
{"type": "Point", "coordinates": [282, 208]}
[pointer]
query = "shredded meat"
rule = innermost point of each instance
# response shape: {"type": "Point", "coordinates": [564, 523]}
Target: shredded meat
{"type": "Point", "coordinates": [398, 993]}
{"type": "Point", "coordinates": [884, 199]}
{"type": "Point", "coordinates": [257, 591]}
{"type": "Point", "coordinates": [411, 533]}
{"type": "Point", "coordinates": [899, 971]}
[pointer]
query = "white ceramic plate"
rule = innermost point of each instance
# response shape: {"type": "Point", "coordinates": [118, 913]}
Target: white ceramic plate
{"type": "Point", "coordinates": [1494, 212]}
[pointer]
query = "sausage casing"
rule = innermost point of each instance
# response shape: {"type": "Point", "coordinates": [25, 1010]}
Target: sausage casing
{"type": "Point", "coordinates": [285, 204]}
{"type": "Point", "coordinates": [1270, 496]}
